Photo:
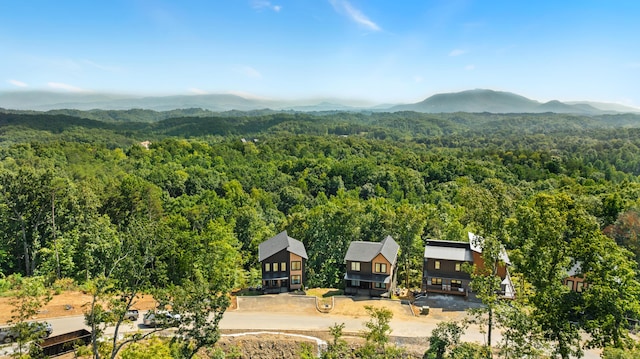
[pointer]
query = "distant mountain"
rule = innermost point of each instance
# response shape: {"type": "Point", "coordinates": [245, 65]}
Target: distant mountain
{"type": "Point", "coordinates": [466, 101]}
{"type": "Point", "coordinates": [46, 101]}
{"type": "Point", "coordinates": [613, 107]}
{"type": "Point", "coordinates": [492, 101]}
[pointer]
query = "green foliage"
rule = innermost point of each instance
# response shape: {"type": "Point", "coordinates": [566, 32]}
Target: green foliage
{"type": "Point", "coordinates": [444, 340]}
{"type": "Point", "coordinates": [30, 296]}
{"type": "Point", "coordinates": [150, 349]}
{"type": "Point", "coordinates": [378, 328]}
{"type": "Point", "coordinates": [617, 353]}
{"type": "Point", "coordinates": [78, 192]}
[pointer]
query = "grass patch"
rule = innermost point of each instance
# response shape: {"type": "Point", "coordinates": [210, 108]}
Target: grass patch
{"type": "Point", "coordinates": [324, 292]}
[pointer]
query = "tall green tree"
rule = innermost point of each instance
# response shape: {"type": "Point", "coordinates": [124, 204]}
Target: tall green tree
{"type": "Point", "coordinates": [203, 295]}
{"type": "Point", "coordinates": [26, 195]}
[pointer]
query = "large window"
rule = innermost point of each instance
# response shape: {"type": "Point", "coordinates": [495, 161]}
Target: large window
{"type": "Point", "coordinates": [436, 281]}
{"type": "Point", "coordinates": [295, 279]}
{"type": "Point", "coordinates": [458, 267]}
{"type": "Point", "coordinates": [267, 267]}
{"type": "Point", "coordinates": [275, 267]}
{"type": "Point", "coordinates": [283, 266]}
{"type": "Point", "coordinates": [381, 268]}
{"type": "Point", "coordinates": [378, 285]}
{"type": "Point", "coordinates": [355, 283]}
{"type": "Point", "coordinates": [456, 283]}
{"type": "Point", "coordinates": [579, 286]}
{"type": "Point", "coordinates": [296, 265]}
{"type": "Point", "coordinates": [436, 264]}
{"type": "Point", "coordinates": [355, 266]}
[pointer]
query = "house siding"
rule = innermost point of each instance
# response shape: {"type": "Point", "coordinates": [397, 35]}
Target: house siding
{"type": "Point", "coordinates": [276, 285]}
{"type": "Point", "coordinates": [571, 282]}
{"type": "Point", "coordinates": [368, 269]}
{"type": "Point", "coordinates": [445, 274]}
{"type": "Point", "coordinates": [296, 258]}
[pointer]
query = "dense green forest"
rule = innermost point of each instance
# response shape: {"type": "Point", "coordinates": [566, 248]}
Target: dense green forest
{"type": "Point", "coordinates": [81, 196]}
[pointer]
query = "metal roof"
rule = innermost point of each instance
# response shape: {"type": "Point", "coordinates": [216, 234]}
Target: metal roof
{"type": "Point", "coordinates": [373, 278]}
{"type": "Point", "coordinates": [434, 251]}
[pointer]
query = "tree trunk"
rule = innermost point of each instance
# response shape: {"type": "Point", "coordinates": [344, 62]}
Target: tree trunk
{"type": "Point", "coordinates": [53, 228]}
{"type": "Point", "coordinates": [25, 247]}
{"type": "Point", "coordinates": [490, 325]}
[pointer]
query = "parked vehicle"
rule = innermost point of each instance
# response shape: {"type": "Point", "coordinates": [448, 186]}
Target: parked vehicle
{"type": "Point", "coordinates": [132, 315]}
{"type": "Point", "coordinates": [109, 316]}
{"type": "Point", "coordinates": [162, 318]}
{"type": "Point", "coordinates": [36, 330]}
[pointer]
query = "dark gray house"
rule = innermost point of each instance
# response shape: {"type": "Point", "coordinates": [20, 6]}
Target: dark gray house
{"type": "Point", "coordinates": [444, 263]}
{"type": "Point", "coordinates": [282, 259]}
{"type": "Point", "coordinates": [371, 267]}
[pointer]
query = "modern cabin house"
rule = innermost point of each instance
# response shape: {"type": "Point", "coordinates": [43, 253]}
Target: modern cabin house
{"type": "Point", "coordinates": [371, 267]}
{"type": "Point", "coordinates": [444, 263]}
{"type": "Point", "coordinates": [282, 259]}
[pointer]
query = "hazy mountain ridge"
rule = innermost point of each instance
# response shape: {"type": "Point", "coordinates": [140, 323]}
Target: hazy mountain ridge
{"type": "Point", "coordinates": [475, 101]}
{"type": "Point", "coordinates": [481, 100]}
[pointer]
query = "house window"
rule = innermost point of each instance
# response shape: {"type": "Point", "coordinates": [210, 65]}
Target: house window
{"type": "Point", "coordinates": [458, 267]}
{"type": "Point", "coordinates": [296, 265]}
{"type": "Point", "coordinates": [456, 283]}
{"type": "Point", "coordinates": [436, 264]}
{"type": "Point", "coordinates": [267, 267]}
{"type": "Point", "coordinates": [355, 266]}
{"type": "Point", "coordinates": [295, 279]}
{"type": "Point", "coordinates": [355, 283]}
{"type": "Point", "coordinates": [436, 281]}
{"type": "Point", "coordinates": [381, 268]}
{"type": "Point", "coordinates": [283, 266]}
{"type": "Point", "coordinates": [275, 267]}
{"type": "Point", "coordinates": [378, 285]}
{"type": "Point", "coordinates": [569, 284]}
{"type": "Point", "coordinates": [579, 286]}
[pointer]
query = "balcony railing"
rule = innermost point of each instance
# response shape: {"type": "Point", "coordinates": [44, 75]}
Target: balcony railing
{"type": "Point", "coordinates": [446, 289]}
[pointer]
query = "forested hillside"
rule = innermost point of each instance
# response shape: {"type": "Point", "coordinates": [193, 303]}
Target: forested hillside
{"type": "Point", "coordinates": [78, 194]}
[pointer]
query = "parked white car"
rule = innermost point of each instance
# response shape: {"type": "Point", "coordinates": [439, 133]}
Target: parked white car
{"type": "Point", "coordinates": [162, 318]}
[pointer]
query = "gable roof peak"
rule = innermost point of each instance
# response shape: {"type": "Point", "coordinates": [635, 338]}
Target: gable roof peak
{"type": "Point", "coordinates": [279, 242]}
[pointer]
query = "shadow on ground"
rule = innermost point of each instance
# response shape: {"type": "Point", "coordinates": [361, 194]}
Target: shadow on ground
{"type": "Point", "coordinates": [448, 303]}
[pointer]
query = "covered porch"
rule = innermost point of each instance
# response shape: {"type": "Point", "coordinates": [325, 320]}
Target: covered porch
{"type": "Point", "coordinates": [372, 285]}
{"type": "Point", "coordinates": [275, 284]}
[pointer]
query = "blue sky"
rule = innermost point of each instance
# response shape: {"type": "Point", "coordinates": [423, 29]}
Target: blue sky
{"type": "Point", "coordinates": [377, 50]}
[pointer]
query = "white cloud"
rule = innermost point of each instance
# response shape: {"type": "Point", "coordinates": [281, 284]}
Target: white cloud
{"type": "Point", "coordinates": [66, 87]}
{"type": "Point", "coordinates": [17, 83]}
{"type": "Point", "coordinates": [457, 52]}
{"type": "Point", "coordinates": [198, 91]}
{"type": "Point", "coordinates": [344, 7]}
{"type": "Point", "coordinates": [470, 67]}
{"type": "Point", "coordinates": [262, 4]}
{"type": "Point", "coordinates": [249, 71]}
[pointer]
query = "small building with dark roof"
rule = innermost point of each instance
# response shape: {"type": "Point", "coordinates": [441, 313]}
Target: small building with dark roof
{"type": "Point", "coordinates": [371, 267]}
{"type": "Point", "coordinates": [282, 259]}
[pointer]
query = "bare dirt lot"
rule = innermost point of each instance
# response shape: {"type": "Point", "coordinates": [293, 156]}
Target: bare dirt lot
{"type": "Point", "coordinates": [66, 304]}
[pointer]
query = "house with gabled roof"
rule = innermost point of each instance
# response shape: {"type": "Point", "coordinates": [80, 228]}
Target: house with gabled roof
{"type": "Point", "coordinates": [444, 262]}
{"type": "Point", "coordinates": [282, 259]}
{"type": "Point", "coordinates": [371, 267]}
